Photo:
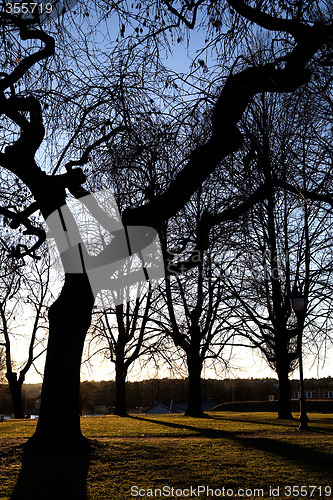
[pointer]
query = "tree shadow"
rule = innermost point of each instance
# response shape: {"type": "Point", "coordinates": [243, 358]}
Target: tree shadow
{"type": "Point", "coordinates": [299, 454]}
{"type": "Point", "coordinates": [275, 423]}
{"type": "Point", "coordinates": [53, 474]}
{"type": "Point", "coordinates": [321, 430]}
{"type": "Point", "coordinates": [313, 425]}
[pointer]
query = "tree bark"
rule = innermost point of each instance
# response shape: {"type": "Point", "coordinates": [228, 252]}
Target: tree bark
{"type": "Point", "coordinates": [121, 372]}
{"type": "Point", "coordinates": [285, 393]}
{"type": "Point", "coordinates": [194, 366]}
{"type": "Point", "coordinates": [121, 367]}
{"type": "Point", "coordinates": [15, 387]}
{"type": "Point", "coordinates": [69, 319]}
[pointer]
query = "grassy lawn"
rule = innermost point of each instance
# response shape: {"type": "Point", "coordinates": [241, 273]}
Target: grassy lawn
{"type": "Point", "coordinates": [231, 450]}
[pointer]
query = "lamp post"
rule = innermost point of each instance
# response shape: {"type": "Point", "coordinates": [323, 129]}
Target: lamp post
{"type": "Point", "coordinates": [298, 304]}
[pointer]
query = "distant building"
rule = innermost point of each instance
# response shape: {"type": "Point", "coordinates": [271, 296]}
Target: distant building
{"type": "Point", "coordinates": [317, 393]}
{"type": "Point", "coordinates": [4, 417]}
{"type": "Point", "coordinates": [159, 408]}
{"type": "Point", "coordinates": [100, 410]}
{"type": "Point", "coordinates": [325, 392]}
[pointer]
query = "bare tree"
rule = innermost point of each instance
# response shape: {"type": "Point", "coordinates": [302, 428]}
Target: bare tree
{"type": "Point", "coordinates": [24, 290]}
{"type": "Point", "coordinates": [124, 341]}
{"type": "Point", "coordinates": [194, 296]}
{"type": "Point", "coordinates": [281, 243]}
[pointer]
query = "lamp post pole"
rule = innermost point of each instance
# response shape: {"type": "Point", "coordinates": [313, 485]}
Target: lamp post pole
{"type": "Point", "coordinates": [298, 306]}
{"type": "Point", "coordinates": [303, 416]}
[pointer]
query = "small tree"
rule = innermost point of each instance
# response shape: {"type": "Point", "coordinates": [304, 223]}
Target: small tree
{"type": "Point", "coordinates": [23, 290]}
{"type": "Point", "coordinates": [124, 341]}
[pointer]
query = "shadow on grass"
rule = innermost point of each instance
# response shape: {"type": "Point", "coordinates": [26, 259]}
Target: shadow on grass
{"type": "Point", "coordinates": [274, 423]}
{"type": "Point", "coordinates": [52, 475]}
{"type": "Point", "coordinates": [313, 426]}
{"type": "Point", "coordinates": [321, 430]}
{"type": "Point", "coordinates": [300, 455]}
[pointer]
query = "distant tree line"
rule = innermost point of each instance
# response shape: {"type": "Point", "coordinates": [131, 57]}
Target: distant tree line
{"type": "Point", "coordinates": [143, 394]}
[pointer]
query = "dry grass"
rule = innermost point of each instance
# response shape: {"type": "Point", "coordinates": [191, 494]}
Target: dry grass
{"type": "Point", "coordinates": [231, 450]}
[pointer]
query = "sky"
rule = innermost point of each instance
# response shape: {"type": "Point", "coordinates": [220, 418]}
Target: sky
{"type": "Point", "coordinates": [245, 362]}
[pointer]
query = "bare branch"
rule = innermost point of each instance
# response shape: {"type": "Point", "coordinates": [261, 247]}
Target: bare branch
{"type": "Point", "coordinates": [85, 156]}
{"type": "Point", "coordinates": [293, 27]}
{"type": "Point", "coordinates": [26, 34]}
{"type": "Point", "coordinates": [226, 138]}
{"type": "Point", "coordinates": [181, 17]}
{"type": "Point", "coordinates": [22, 218]}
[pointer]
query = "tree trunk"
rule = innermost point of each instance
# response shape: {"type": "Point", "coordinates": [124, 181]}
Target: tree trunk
{"type": "Point", "coordinates": [69, 320]}
{"type": "Point", "coordinates": [121, 407]}
{"type": "Point", "coordinates": [285, 393]}
{"type": "Point", "coordinates": [194, 366]}
{"type": "Point", "coordinates": [15, 387]}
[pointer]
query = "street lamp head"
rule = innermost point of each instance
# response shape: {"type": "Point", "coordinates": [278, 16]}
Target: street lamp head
{"type": "Point", "coordinates": [297, 300]}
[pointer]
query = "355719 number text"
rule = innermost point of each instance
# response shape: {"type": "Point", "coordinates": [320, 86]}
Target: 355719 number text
{"type": "Point", "coordinates": [28, 8]}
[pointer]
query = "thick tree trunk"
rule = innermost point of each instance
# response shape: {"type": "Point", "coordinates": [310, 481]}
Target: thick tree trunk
{"type": "Point", "coordinates": [121, 368]}
{"type": "Point", "coordinates": [15, 387]}
{"type": "Point", "coordinates": [69, 318]}
{"type": "Point", "coordinates": [121, 372]}
{"type": "Point", "coordinates": [285, 393]}
{"type": "Point", "coordinates": [194, 366]}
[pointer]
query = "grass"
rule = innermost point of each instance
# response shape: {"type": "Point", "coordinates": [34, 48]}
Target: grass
{"type": "Point", "coordinates": [231, 450]}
